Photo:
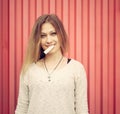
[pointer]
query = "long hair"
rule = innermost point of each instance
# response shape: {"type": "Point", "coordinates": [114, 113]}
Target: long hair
{"type": "Point", "coordinates": [34, 50]}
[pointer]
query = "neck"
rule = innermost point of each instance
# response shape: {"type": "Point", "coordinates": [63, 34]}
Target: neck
{"type": "Point", "coordinates": [53, 57]}
{"type": "Point", "coordinates": [51, 60]}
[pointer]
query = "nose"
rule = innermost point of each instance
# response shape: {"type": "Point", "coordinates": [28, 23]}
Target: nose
{"type": "Point", "coordinates": [49, 39]}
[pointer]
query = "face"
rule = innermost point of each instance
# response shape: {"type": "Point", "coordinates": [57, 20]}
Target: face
{"type": "Point", "coordinates": [49, 37]}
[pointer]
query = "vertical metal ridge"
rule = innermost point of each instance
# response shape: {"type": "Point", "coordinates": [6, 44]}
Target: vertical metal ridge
{"type": "Point", "coordinates": [48, 6]}
{"type": "Point", "coordinates": [114, 64]}
{"type": "Point", "coordinates": [75, 29]}
{"type": "Point", "coordinates": [5, 56]}
{"type": "Point", "coordinates": [55, 6]}
{"type": "Point", "coordinates": [22, 28]}
{"type": "Point", "coordinates": [69, 26]}
{"type": "Point", "coordinates": [101, 57]}
{"type": "Point", "coordinates": [15, 61]}
{"type": "Point", "coordinates": [62, 10]}
{"type": "Point", "coordinates": [108, 55]}
{"type": "Point", "coordinates": [95, 66]}
{"type": "Point", "coordinates": [78, 30]}
{"type": "Point", "coordinates": [35, 9]}
{"type": "Point", "coordinates": [29, 17]}
{"type": "Point", "coordinates": [88, 66]}
{"type": "Point", "coordinates": [117, 54]}
{"type": "Point", "coordinates": [8, 57]}
{"type": "Point", "coordinates": [1, 57]}
{"type": "Point", "coordinates": [42, 6]}
{"type": "Point", "coordinates": [82, 31]}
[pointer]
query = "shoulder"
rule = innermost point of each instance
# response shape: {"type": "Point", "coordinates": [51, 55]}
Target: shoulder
{"type": "Point", "coordinates": [78, 68]}
{"type": "Point", "coordinates": [26, 76]}
{"type": "Point", "coordinates": [30, 67]}
{"type": "Point", "coordinates": [76, 64]}
{"type": "Point", "coordinates": [33, 67]}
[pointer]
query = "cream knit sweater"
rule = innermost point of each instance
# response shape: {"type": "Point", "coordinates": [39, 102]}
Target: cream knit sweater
{"type": "Point", "coordinates": [66, 93]}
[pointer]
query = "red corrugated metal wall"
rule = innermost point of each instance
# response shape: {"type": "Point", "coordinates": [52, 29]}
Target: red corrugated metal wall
{"type": "Point", "coordinates": [93, 27]}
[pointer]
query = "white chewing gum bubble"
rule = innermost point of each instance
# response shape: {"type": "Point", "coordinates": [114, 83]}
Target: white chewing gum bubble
{"type": "Point", "coordinates": [48, 49]}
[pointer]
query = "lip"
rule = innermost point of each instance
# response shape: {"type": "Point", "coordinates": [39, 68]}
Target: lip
{"type": "Point", "coordinates": [50, 45]}
{"type": "Point", "coordinates": [47, 46]}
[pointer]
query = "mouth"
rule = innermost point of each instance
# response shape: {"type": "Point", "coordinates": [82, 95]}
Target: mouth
{"type": "Point", "coordinates": [49, 49]}
{"type": "Point", "coordinates": [48, 45]}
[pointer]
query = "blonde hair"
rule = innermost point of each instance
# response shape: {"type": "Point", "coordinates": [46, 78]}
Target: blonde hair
{"type": "Point", "coordinates": [34, 50]}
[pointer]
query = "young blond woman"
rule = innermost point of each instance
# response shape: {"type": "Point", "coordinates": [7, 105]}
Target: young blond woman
{"type": "Point", "coordinates": [50, 83]}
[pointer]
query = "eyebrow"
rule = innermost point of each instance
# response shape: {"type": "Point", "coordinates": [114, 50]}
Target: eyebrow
{"type": "Point", "coordinates": [49, 32]}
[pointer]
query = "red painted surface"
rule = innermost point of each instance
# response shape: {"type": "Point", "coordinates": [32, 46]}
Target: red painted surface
{"type": "Point", "coordinates": [93, 27]}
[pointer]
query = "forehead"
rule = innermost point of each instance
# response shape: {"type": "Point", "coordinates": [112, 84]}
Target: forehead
{"type": "Point", "coordinates": [47, 27]}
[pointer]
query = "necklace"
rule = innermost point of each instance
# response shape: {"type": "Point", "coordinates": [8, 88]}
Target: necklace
{"type": "Point", "coordinates": [49, 73]}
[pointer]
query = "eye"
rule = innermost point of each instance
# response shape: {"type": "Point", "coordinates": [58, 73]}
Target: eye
{"type": "Point", "coordinates": [43, 35]}
{"type": "Point", "coordinates": [53, 33]}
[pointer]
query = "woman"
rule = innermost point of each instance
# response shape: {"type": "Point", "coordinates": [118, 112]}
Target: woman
{"type": "Point", "coordinates": [50, 83]}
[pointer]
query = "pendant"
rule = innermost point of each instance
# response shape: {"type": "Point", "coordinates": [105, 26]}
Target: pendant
{"type": "Point", "coordinates": [49, 78]}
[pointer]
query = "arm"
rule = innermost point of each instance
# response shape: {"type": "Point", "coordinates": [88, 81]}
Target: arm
{"type": "Point", "coordinates": [23, 102]}
{"type": "Point", "coordinates": [81, 104]}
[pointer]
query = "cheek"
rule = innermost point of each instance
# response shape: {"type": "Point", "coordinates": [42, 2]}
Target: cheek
{"type": "Point", "coordinates": [58, 45]}
{"type": "Point", "coordinates": [43, 41]}
{"type": "Point", "coordinates": [57, 40]}
{"type": "Point", "coordinates": [42, 44]}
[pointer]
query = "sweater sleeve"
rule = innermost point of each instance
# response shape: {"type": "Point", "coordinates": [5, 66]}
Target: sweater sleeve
{"type": "Point", "coordinates": [23, 101]}
{"type": "Point", "coordinates": [81, 104]}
